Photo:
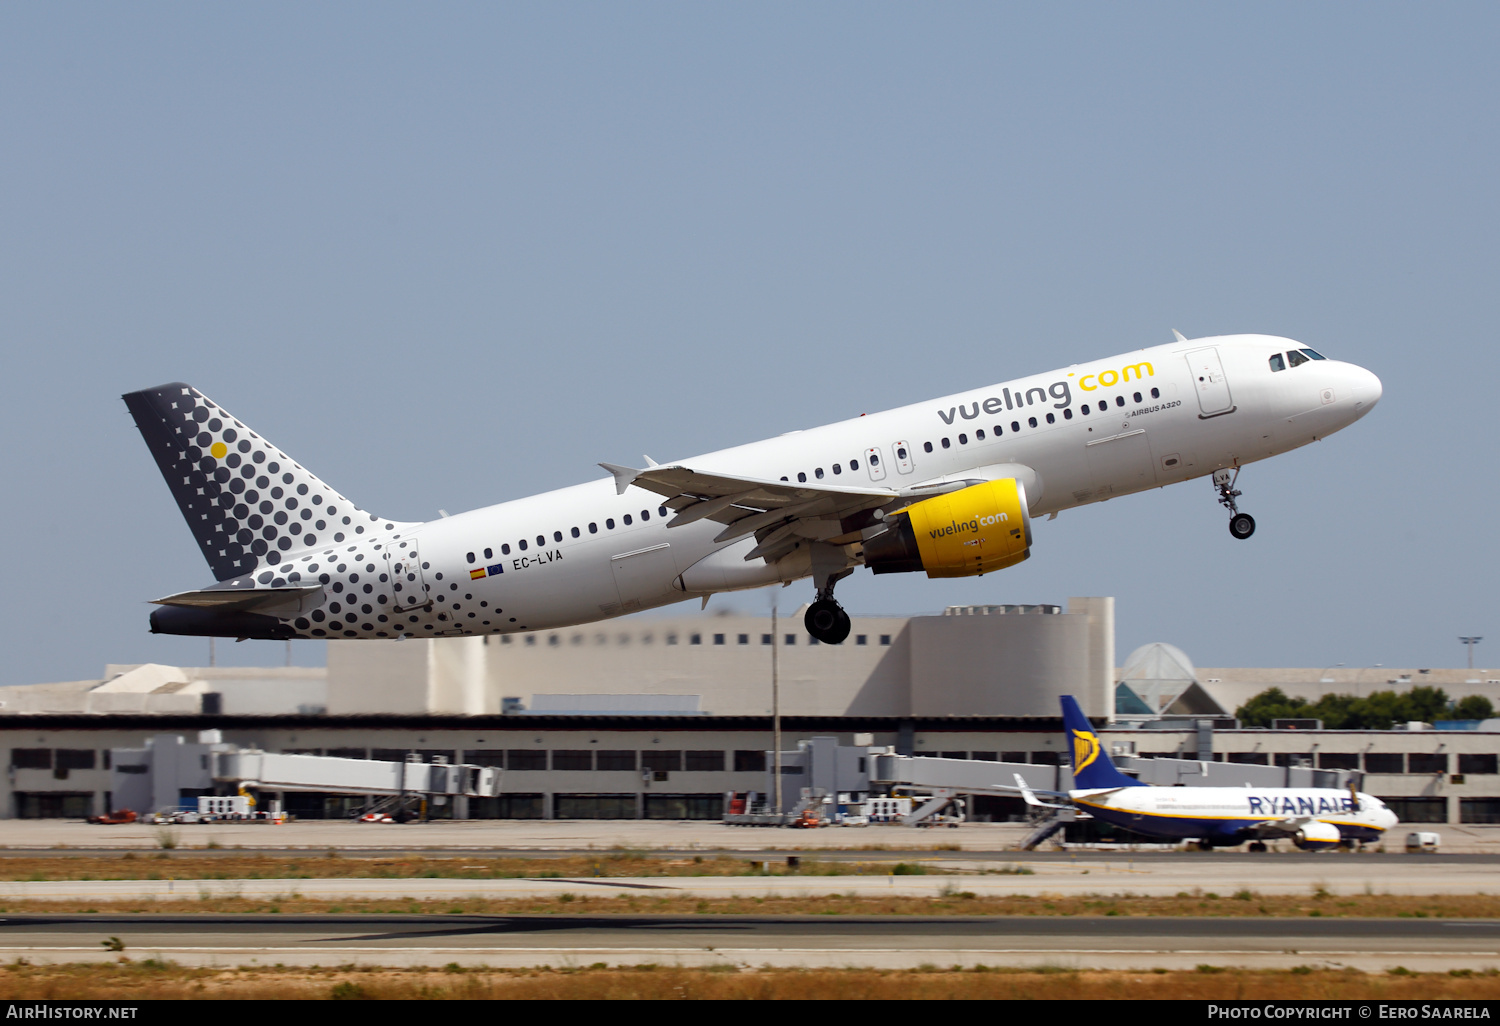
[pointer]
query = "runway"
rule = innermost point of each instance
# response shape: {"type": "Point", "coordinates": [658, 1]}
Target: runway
{"type": "Point", "coordinates": [752, 942]}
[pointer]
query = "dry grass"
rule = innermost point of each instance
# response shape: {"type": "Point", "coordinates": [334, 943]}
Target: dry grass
{"type": "Point", "coordinates": [154, 980]}
{"type": "Point", "coordinates": [182, 865]}
{"type": "Point", "coordinates": [955, 902]}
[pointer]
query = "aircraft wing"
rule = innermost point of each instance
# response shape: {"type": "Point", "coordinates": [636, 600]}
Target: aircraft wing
{"type": "Point", "coordinates": [779, 513]}
{"type": "Point", "coordinates": [1282, 827]}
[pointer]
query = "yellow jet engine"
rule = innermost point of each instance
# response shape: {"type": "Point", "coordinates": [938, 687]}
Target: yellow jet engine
{"type": "Point", "coordinates": [973, 531]}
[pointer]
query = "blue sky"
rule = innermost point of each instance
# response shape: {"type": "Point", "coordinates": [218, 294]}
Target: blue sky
{"type": "Point", "coordinates": [452, 254]}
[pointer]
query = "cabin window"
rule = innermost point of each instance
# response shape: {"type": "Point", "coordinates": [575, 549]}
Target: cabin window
{"type": "Point", "coordinates": [802, 477]}
{"type": "Point", "coordinates": [963, 439]}
{"type": "Point", "coordinates": [1051, 418]}
{"type": "Point", "coordinates": [489, 553]}
{"type": "Point", "coordinates": [1031, 421]}
{"type": "Point", "coordinates": [627, 520]}
{"type": "Point", "coordinates": [521, 544]}
{"type": "Point", "coordinates": [593, 528]}
{"type": "Point", "coordinates": [926, 446]}
{"type": "Point", "coordinates": [1103, 406]}
{"type": "Point", "coordinates": [947, 444]}
{"type": "Point", "coordinates": [1085, 409]}
{"type": "Point", "coordinates": [818, 473]}
{"type": "Point", "coordinates": [979, 435]}
{"type": "Point", "coordinates": [557, 536]}
{"type": "Point", "coordinates": [645, 515]}
{"type": "Point", "coordinates": [1156, 393]}
{"type": "Point", "coordinates": [1015, 426]}
{"type": "Point", "coordinates": [854, 464]}
{"type": "Point", "coordinates": [661, 511]}
{"type": "Point", "coordinates": [541, 541]}
{"type": "Point", "coordinates": [576, 532]}
{"type": "Point", "coordinates": [998, 431]}
{"type": "Point", "coordinates": [1137, 397]}
{"type": "Point", "coordinates": [471, 557]}
{"type": "Point", "coordinates": [1068, 414]}
{"type": "Point", "coordinates": [875, 457]}
{"type": "Point", "coordinates": [1119, 400]}
{"type": "Point", "coordinates": [609, 523]}
{"type": "Point", "coordinates": [505, 549]}
{"type": "Point", "coordinates": [783, 477]}
{"type": "Point", "coordinates": [838, 468]}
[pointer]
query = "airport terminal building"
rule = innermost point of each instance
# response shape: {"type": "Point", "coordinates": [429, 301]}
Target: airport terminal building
{"type": "Point", "coordinates": [659, 717]}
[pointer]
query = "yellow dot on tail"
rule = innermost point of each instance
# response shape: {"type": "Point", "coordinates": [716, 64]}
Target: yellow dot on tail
{"type": "Point", "coordinates": [218, 449]}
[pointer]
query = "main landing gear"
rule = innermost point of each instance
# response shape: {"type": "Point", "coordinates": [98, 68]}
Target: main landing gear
{"type": "Point", "coordinates": [1241, 525]}
{"type": "Point", "coordinates": [825, 619]}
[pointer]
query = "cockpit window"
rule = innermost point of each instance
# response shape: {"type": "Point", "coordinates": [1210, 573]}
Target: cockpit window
{"type": "Point", "coordinates": [1295, 358]}
{"type": "Point", "coordinates": [1314, 354]}
{"type": "Point", "coordinates": [1277, 363]}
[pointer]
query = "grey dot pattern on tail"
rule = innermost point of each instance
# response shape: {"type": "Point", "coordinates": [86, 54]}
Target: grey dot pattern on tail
{"type": "Point", "coordinates": [262, 520]}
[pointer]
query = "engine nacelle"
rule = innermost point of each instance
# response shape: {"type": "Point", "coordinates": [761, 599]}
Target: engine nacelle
{"type": "Point", "coordinates": [972, 531]}
{"type": "Point", "coordinates": [1317, 837]}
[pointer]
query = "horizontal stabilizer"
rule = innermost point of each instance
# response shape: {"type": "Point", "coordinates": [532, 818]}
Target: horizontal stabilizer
{"type": "Point", "coordinates": [239, 600]}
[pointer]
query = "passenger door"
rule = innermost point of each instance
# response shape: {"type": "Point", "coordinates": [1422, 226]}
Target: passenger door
{"type": "Point", "coordinates": [1210, 383]}
{"type": "Point", "coordinates": [404, 564]}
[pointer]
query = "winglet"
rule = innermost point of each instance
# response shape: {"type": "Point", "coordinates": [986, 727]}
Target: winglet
{"type": "Point", "coordinates": [650, 462]}
{"type": "Point", "coordinates": [624, 476]}
{"type": "Point", "coordinates": [1178, 335]}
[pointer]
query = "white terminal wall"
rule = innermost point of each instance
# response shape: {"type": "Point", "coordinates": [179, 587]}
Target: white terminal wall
{"type": "Point", "coordinates": [1012, 664]}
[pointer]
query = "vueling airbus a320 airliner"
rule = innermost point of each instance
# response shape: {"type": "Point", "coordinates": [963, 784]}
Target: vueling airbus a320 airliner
{"type": "Point", "coordinates": [947, 487]}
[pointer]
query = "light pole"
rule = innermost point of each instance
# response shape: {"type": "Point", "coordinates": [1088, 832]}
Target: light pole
{"type": "Point", "coordinates": [775, 707]}
{"type": "Point", "coordinates": [1469, 643]}
{"type": "Point", "coordinates": [1323, 677]}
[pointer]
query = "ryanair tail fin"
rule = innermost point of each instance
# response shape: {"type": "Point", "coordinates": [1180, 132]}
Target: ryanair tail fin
{"type": "Point", "coordinates": [248, 504]}
{"type": "Point", "coordinates": [1092, 766]}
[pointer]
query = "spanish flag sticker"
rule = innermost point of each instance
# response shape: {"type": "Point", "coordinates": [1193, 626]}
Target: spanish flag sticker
{"type": "Point", "coordinates": [475, 575]}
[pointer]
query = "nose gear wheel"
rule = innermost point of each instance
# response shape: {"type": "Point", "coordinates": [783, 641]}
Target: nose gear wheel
{"type": "Point", "coordinates": [1241, 525]}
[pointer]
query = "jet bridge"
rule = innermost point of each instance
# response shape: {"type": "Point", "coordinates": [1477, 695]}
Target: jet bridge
{"type": "Point", "coordinates": [169, 770]}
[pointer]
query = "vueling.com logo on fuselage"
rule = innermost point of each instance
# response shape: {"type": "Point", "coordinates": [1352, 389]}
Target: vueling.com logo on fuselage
{"type": "Point", "coordinates": [968, 526]}
{"type": "Point", "coordinates": [1060, 391]}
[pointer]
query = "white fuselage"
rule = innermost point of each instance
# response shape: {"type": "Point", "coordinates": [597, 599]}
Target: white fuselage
{"type": "Point", "coordinates": [1235, 813]}
{"type": "Point", "coordinates": [1154, 417]}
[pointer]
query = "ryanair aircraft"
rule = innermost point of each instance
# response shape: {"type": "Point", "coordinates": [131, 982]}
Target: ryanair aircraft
{"type": "Point", "coordinates": [948, 488]}
{"type": "Point", "coordinates": [1312, 817]}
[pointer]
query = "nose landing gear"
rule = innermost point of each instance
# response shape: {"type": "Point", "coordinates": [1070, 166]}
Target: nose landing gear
{"type": "Point", "coordinates": [1241, 525]}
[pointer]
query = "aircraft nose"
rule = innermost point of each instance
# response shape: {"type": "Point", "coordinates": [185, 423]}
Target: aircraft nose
{"type": "Point", "coordinates": [1366, 388]}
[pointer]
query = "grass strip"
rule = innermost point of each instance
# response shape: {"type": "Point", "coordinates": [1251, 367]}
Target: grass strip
{"type": "Point", "coordinates": [152, 979]}
{"type": "Point", "coordinates": [953, 901]}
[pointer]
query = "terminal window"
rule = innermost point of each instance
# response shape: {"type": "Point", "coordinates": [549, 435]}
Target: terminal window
{"type": "Point", "coordinates": [1466, 763]}
{"type": "Point", "coordinates": [573, 759]}
{"type": "Point", "coordinates": [705, 762]}
{"type": "Point", "coordinates": [615, 760]}
{"type": "Point", "coordinates": [526, 759]}
{"type": "Point", "coordinates": [661, 761]}
{"type": "Point", "coordinates": [749, 762]}
{"type": "Point", "coordinates": [1338, 760]}
{"type": "Point", "coordinates": [1427, 762]}
{"type": "Point", "coordinates": [31, 758]}
{"type": "Point", "coordinates": [1385, 762]}
{"type": "Point", "coordinates": [885, 639]}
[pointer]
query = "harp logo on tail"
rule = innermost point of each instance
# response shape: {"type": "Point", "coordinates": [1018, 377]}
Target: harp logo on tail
{"type": "Point", "coordinates": [1085, 749]}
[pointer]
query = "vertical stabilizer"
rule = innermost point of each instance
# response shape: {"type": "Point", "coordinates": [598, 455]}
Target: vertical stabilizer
{"type": "Point", "coordinates": [1092, 766]}
{"type": "Point", "coordinates": [248, 504]}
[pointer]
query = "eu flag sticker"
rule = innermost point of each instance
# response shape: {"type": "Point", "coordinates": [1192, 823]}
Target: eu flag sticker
{"type": "Point", "coordinates": [496, 570]}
